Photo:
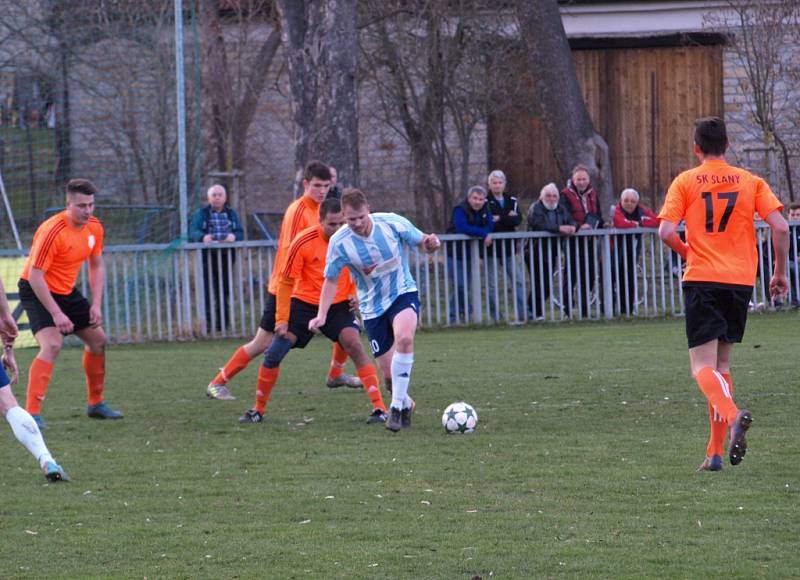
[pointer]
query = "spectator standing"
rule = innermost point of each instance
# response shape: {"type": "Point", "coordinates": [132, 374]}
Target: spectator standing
{"type": "Point", "coordinates": [794, 254]}
{"type": "Point", "coordinates": [213, 224]}
{"type": "Point", "coordinates": [547, 215]}
{"type": "Point", "coordinates": [335, 191]}
{"type": "Point", "coordinates": [629, 213]}
{"type": "Point", "coordinates": [581, 199]}
{"type": "Point", "coordinates": [506, 218]}
{"type": "Point", "coordinates": [471, 217]}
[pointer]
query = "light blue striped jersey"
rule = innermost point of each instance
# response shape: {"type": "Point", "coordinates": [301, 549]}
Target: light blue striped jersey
{"type": "Point", "coordinates": [378, 262]}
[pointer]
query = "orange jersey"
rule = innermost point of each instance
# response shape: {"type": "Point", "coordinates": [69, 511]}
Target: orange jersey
{"type": "Point", "coordinates": [718, 203]}
{"type": "Point", "coordinates": [60, 249]}
{"type": "Point", "coordinates": [301, 214]}
{"type": "Point", "coordinates": [304, 273]}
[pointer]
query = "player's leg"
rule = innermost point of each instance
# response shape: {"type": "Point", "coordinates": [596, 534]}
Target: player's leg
{"type": "Point", "coordinates": [719, 426]}
{"type": "Point", "coordinates": [94, 366]}
{"type": "Point", "coordinates": [218, 387]}
{"type": "Point", "coordinates": [27, 431]}
{"type": "Point", "coordinates": [404, 326]}
{"type": "Point", "coordinates": [41, 369]}
{"type": "Point", "coordinates": [350, 341]}
{"type": "Point", "coordinates": [297, 335]}
{"type": "Point", "coordinates": [336, 375]}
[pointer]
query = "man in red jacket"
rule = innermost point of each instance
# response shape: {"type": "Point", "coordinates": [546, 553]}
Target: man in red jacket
{"type": "Point", "coordinates": [629, 213]}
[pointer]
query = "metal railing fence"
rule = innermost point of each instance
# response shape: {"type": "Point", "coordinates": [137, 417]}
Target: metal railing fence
{"type": "Point", "coordinates": [168, 292]}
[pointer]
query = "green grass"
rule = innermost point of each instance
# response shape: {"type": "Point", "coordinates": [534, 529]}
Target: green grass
{"type": "Point", "coordinates": [583, 465]}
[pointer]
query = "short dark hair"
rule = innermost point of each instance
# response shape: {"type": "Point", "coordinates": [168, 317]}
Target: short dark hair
{"type": "Point", "coordinates": [354, 198]}
{"type": "Point", "coordinates": [580, 167]}
{"type": "Point", "coordinates": [710, 135]}
{"type": "Point", "coordinates": [83, 186]}
{"type": "Point", "coordinates": [330, 205]}
{"type": "Point", "coordinates": [794, 205]}
{"type": "Point", "coordinates": [316, 169]}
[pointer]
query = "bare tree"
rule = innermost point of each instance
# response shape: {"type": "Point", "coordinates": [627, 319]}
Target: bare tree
{"type": "Point", "coordinates": [439, 70]}
{"type": "Point", "coordinates": [240, 47]}
{"type": "Point", "coordinates": [566, 119]}
{"type": "Point", "coordinates": [758, 32]}
{"type": "Point", "coordinates": [322, 47]}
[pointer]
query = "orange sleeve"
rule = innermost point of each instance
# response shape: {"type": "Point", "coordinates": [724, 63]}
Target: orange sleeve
{"type": "Point", "coordinates": [45, 247]}
{"type": "Point", "coordinates": [766, 201]}
{"type": "Point", "coordinates": [99, 233]}
{"type": "Point", "coordinates": [283, 300]}
{"type": "Point", "coordinates": [674, 208]}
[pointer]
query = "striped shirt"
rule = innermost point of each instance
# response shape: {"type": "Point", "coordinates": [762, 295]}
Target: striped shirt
{"type": "Point", "coordinates": [378, 263]}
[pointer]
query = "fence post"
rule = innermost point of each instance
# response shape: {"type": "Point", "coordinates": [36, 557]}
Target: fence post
{"type": "Point", "coordinates": [608, 289]}
{"type": "Point", "coordinates": [475, 282]}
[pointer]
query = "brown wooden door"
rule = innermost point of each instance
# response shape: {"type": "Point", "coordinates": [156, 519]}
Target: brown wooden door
{"type": "Point", "coordinates": [643, 101]}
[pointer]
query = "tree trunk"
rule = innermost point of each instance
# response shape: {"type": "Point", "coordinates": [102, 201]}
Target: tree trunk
{"type": "Point", "coordinates": [321, 42]}
{"type": "Point", "coordinates": [787, 168]}
{"type": "Point", "coordinates": [566, 120]}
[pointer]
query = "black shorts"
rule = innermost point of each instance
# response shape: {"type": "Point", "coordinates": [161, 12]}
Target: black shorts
{"type": "Point", "coordinates": [74, 305]}
{"type": "Point", "coordinates": [268, 316]}
{"type": "Point", "coordinates": [339, 317]}
{"type": "Point", "coordinates": [715, 311]}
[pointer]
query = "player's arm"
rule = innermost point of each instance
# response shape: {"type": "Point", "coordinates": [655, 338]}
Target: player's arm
{"type": "Point", "coordinates": [283, 302]}
{"type": "Point", "coordinates": [325, 300]}
{"type": "Point", "coordinates": [39, 286]}
{"type": "Point", "coordinates": [779, 284]}
{"type": "Point", "coordinates": [668, 232]}
{"type": "Point", "coordinates": [97, 277]}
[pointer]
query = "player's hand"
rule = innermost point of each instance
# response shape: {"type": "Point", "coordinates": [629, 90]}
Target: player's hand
{"type": "Point", "coordinates": [352, 303]}
{"type": "Point", "coordinates": [64, 324]}
{"type": "Point", "coordinates": [431, 243]}
{"type": "Point", "coordinates": [487, 241]}
{"type": "Point", "coordinates": [316, 323]}
{"type": "Point", "coordinates": [8, 327]}
{"type": "Point", "coordinates": [9, 361]}
{"type": "Point", "coordinates": [95, 316]}
{"type": "Point", "coordinates": [282, 329]}
{"type": "Point", "coordinates": [778, 286]}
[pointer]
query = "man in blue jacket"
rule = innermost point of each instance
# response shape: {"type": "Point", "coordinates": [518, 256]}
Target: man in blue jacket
{"type": "Point", "coordinates": [215, 223]}
{"type": "Point", "coordinates": [471, 217]}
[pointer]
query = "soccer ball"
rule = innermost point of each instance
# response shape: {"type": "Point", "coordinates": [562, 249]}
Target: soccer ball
{"type": "Point", "coordinates": [459, 417]}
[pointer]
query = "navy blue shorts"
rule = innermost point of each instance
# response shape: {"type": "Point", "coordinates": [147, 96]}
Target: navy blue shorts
{"type": "Point", "coordinates": [380, 331]}
{"type": "Point", "coordinates": [4, 380]}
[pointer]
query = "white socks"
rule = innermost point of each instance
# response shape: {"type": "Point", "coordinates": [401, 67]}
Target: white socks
{"type": "Point", "coordinates": [401, 375]}
{"type": "Point", "coordinates": [27, 432]}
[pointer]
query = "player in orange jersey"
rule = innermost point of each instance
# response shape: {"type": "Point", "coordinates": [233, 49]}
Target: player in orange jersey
{"type": "Point", "coordinates": [718, 202]}
{"type": "Point", "coordinates": [55, 307]}
{"type": "Point", "coordinates": [301, 213]}
{"type": "Point", "coordinates": [299, 289]}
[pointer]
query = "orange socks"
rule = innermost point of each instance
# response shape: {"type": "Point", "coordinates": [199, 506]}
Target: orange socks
{"type": "Point", "coordinates": [234, 366]}
{"type": "Point", "coordinates": [369, 376]}
{"type": "Point", "coordinates": [338, 361]}
{"type": "Point", "coordinates": [718, 393]}
{"type": "Point", "coordinates": [719, 426]}
{"type": "Point", "coordinates": [266, 380]}
{"type": "Point", "coordinates": [94, 365]}
{"type": "Point", "coordinates": [38, 379]}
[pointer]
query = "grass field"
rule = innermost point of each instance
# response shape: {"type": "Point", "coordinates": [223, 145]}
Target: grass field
{"type": "Point", "coordinates": [582, 465]}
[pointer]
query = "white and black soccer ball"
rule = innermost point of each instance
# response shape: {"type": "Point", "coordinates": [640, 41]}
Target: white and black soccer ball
{"type": "Point", "coordinates": [459, 417]}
